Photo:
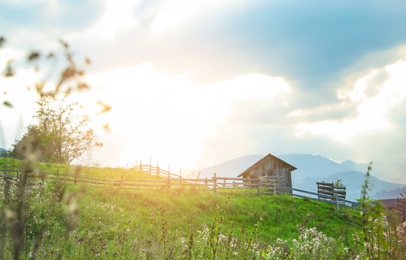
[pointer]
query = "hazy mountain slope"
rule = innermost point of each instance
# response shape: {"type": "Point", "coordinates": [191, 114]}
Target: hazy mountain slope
{"type": "Point", "coordinates": [392, 194]}
{"type": "Point", "coordinates": [315, 165]}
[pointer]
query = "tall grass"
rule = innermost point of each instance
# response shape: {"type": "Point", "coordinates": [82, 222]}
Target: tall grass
{"type": "Point", "coordinates": [33, 214]}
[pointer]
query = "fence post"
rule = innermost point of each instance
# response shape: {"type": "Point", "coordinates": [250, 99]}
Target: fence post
{"type": "Point", "coordinates": [259, 186]}
{"type": "Point", "coordinates": [169, 182]}
{"type": "Point", "coordinates": [20, 176]}
{"type": "Point", "coordinates": [74, 180]}
{"type": "Point", "coordinates": [336, 200]}
{"type": "Point", "coordinates": [274, 186]}
{"type": "Point", "coordinates": [214, 183]}
{"type": "Point", "coordinates": [5, 174]}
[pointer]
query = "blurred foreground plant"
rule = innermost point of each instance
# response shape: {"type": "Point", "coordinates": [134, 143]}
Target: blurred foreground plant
{"type": "Point", "coordinates": [33, 211]}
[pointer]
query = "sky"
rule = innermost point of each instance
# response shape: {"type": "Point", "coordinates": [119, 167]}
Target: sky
{"type": "Point", "coordinates": [196, 83]}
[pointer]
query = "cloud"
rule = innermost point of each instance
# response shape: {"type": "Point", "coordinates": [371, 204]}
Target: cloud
{"type": "Point", "coordinates": [373, 96]}
{"type": "Point", "coordinates": [117, 19]}
{"type": "Point", "coordinates": [311, 46]}
{"type": "Point", "coordinates": [308, 44]}
{"type": "Point", "coordinates": [373, 130]}
{"type": "Point", "coordinates": [174, 12]}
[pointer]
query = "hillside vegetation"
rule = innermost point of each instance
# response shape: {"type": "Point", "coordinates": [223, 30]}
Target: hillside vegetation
{"type": "Point", "coordinates": [76, 222]}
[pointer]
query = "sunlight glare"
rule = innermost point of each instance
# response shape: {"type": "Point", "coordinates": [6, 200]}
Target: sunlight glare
{"type": "Point", "coordinates": [169, 116]}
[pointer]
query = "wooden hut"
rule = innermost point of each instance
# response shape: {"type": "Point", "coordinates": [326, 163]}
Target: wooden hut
{"type": "Point", "coordinates": [270, 166]}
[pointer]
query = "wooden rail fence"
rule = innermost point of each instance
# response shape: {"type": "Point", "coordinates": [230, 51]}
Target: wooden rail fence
{"type": "Point", "coordinates": [156, 170]}
{"type": "Point", "coordinates": [338, 201]}
{"type": "Point", "coordinates": [264, 185]}
{"type": "Point", "coordinates": [215, 184]}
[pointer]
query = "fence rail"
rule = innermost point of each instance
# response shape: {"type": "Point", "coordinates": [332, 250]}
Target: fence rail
{"type": "Point", "coordinates": [338, 201]}
{"type": "Point", "coordinates": [169, 180]}
{"type": "Point", "coordinates": [156, 170]}
{"type": "Point", "coordinates": [263, 185]}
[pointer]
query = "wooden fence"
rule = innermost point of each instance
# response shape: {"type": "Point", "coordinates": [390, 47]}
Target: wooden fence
{"type": "Point", "coordinates": [264, 185]}
{"type": "Point", "coordinates": [169, 180]}
{"type": "Point", "coordinates": [338, 201]}
{"type": "Point", "coordinates": [156, 170]}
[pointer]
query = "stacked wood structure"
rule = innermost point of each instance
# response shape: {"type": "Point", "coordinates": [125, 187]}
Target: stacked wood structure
{"type": "Point", "coordinates": [268, 167]}
{"type": "Point", "coordinates": [330, 191]}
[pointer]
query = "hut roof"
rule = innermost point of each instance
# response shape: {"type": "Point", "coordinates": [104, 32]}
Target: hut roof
{"type": "Point", "coordinates": [268, 157]}
{"type": "Point", "coordinates": [390, 203]}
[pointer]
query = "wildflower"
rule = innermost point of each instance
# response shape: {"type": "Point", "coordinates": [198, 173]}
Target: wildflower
{"type": "Point", "coordinates": [222, 237]}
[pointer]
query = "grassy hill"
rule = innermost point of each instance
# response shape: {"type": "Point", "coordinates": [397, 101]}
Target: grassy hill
{"type": "Point", "coordinates": [112, 223]}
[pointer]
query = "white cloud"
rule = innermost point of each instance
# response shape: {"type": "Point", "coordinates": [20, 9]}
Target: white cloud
{"type": "Point", "coordinates": [372, 110]}
{"type": "Point", "coordinates": [174, 12]}
{"type": "Point", "coordinates": [118, 16]}
{"type": "Point", "coordinates": [123, 15]}
{"type": "Point", "coordinates": [357, 93]}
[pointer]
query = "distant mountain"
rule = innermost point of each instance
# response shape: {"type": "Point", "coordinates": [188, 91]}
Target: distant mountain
{"type": "Point", "coordinates": [315, 165]}
{"type": "Point", "coordinates": [2, 150]}
{"type": "Point", "coordinates": [392, 193]}
{"type": "Point", "coordinates": [312, 169]}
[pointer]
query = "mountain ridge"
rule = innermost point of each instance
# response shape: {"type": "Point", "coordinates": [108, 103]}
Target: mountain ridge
{"type": "Point", "coordinates": [312, 169]}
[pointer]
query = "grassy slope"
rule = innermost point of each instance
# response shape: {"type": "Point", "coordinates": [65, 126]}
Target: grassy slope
{"type": "Point", "coordinates": [129, 220]}
{"type": "Point", "coordinates": [278, 216]}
